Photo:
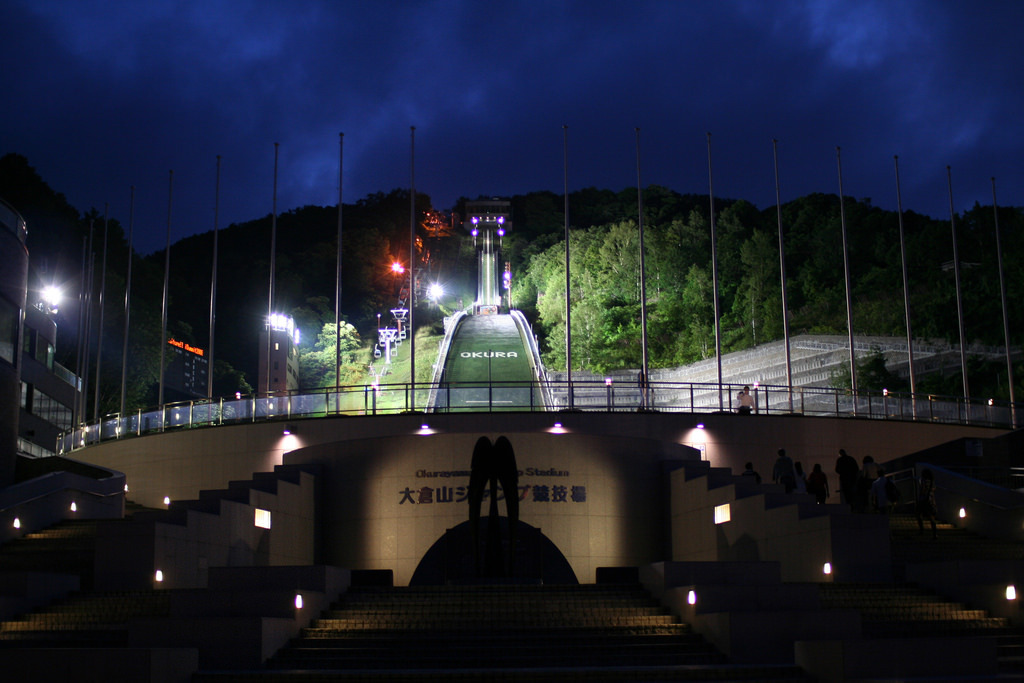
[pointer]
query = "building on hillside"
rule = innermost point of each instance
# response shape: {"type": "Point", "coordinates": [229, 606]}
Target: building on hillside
{"type": "Point", "coordinates": [48, 390]}
{"type": "Point", "coordinates": [281, 373]}
{"type": "Point", "coordinates": [13, 288]}
{"type": "Point", "coordinates": [187, 372]}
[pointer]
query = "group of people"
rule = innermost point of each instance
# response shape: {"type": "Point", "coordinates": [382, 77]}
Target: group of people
{"type": "Point", "coordinates": [864, 487]}
{"type": "Point", "coordinates": [791, 475]}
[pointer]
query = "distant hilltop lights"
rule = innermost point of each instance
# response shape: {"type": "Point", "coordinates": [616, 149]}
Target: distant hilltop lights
{"type": "Point", "coordinates": [283, 323]}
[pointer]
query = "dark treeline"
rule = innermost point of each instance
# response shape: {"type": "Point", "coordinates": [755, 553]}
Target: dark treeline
{"type": "Point", "coordinates": [604, 276]}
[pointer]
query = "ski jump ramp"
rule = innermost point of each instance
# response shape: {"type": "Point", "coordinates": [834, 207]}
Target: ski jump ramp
{"type": "Point", "coordinates": [488, 362]}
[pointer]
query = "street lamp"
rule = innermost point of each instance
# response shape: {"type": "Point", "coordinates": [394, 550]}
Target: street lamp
{"type": "Point", "coordinates": [51, 297]}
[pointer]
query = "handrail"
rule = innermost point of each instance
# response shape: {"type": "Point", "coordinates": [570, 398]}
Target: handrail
{"type": "Point", "coordinates": [602, 396]}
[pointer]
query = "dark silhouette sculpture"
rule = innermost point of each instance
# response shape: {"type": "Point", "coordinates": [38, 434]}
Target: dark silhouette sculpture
{"type": "Point", "coordinates": [494, 464]}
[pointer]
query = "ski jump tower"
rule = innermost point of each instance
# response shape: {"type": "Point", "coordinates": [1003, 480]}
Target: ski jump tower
{"type": "Point", "coordinates": [487, 220]}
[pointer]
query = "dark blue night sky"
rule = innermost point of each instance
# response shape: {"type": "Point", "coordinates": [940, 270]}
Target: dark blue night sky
{"type": "Point", "coordinates": [104, 95]}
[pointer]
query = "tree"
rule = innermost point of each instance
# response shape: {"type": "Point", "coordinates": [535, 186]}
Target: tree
{"type": "Point", "coordinates": [317, 365]}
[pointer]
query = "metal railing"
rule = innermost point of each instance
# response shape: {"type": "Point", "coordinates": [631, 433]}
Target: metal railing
{"type": "Point", "coordinates": [598, 396]}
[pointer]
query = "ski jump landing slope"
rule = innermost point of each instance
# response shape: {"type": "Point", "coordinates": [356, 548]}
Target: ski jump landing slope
{"type": "Point", "coordinates": [491, 364]}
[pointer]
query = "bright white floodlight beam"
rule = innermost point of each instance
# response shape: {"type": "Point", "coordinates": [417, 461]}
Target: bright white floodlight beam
{"type": "Point", "coordinates": [51, 297]}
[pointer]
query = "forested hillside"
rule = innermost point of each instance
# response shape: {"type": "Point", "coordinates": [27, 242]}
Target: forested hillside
{"type": "Point", "coordinates": [604, 276]}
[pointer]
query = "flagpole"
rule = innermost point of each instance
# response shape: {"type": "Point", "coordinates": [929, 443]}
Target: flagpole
{"type": "Point", "coordinates": [86, 362]}
{"type": "Point", "coordinates": [1006, 319]}
{"type": "Point", "coordinates": [337, 281]}
{"type": "Point", "coordinates": [643, 281]}
{"type": "Point", "coordinates": [846, 274]}
{"type": "Point", "coordinates": [959, 298]}
{"type": "Point", "coordinates": [782, 272]}
{"type": "Point", "coordinates": [127, 303]}
{"type": "Point", "coordinates": [412, 267]}
{"type": "Point", "coordinates": [163, 308]}
{"type": "Point", "coordinates": [213, 281]}
{"type": "Point", "coordinates": [79, 408]}
{"type": "Point", "coordinates": [273, 265]}
{"type": "Point", "coordinates": [714, 275]}
{"type": "Point", "coordinates": [568, 306]}
{"type": "Point", "coordinates": [906, 290]}
{"type": "Point", "coordinates": [99, 329]}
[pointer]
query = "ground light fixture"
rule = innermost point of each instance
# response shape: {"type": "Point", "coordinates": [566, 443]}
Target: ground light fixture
{"type": "Point", "coordinates": [17, 523]}
{"type": "Point", "coordinates": [298, 601]}
{"type": "Point", "coordinates": [1011, 592]}
{"type": "Point", "coordinates": [288, 430]}
{"type": "Point", "coordinates": [963, 513]}
{"type": "Point", "coordinates": [826, 568]}
{"type": "Point", "coordinates": [691, 598]}
{"type": "Point", "coordinates": [158, 576]}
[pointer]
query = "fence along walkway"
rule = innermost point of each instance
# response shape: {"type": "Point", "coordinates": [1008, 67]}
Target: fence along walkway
{"type": "Point", "coordinates": [694, 388]}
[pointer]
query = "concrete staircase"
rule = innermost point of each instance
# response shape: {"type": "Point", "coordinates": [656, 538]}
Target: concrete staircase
{"type": "Point", "coordinates": [905, 611]}
{"type": "Point", "coordinates": [85, 620]}
{"type": "Point", "coordinates": [597, 632]}
{"type": "Point", "coordinates": [951, 543]}
{"type": "Point", "coordinates": [66, 548]}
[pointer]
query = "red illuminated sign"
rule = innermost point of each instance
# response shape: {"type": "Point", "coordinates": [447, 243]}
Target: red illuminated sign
{"type": "Point", "coordinates": [187, 347]}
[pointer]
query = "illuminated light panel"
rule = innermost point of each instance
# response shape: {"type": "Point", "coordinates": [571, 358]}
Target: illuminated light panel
{"type": "Point", "coordinates": [691, 598]}
{"type": "Point", "coordinates": [159, 576]}
{"type": "Point", "coordinates": [298, 601]}
{"type": "Point", "coordinates": [262, 518]}
{"type": "Point", "coordinates": [74, 507]}
{"type": "Point", "coordinates": [167, 500]}
{"type": "Point", "coordinates": [1011, 592]}
{"type": "Point", "coordinates": [723, 514]}
{"type": "Point", "coordinates": [963, 512]}
{"type": "Point", "coordinates": [826, 568]}
{"type": "Point", "coordinates": [17, 522]}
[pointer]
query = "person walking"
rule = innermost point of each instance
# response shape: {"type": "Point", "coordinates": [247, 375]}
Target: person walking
{"type": "Point", "coordinates": [848, 472]}
{"type": "Point", "coordinates": [817, 483]}
{"type": "Point", "coordinates": [744, 402]}
{"type": "Point", "coordinates": [783, 472]}
{"type": "Point", "coordinates": [926, 501]}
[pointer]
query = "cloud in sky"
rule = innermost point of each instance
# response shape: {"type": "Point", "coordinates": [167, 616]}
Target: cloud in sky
{"type": "Point", "coordinates": [109, 94]}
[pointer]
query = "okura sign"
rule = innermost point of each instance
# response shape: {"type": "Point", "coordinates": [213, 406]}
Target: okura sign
{"type": "Point", "coordinates": [547, 486]}
{"type": "Point", "coordinates": [488, 354]}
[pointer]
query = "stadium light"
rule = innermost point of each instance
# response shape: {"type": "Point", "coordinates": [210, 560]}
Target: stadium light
{"type": "Point", "coordinates": [51, 298]}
